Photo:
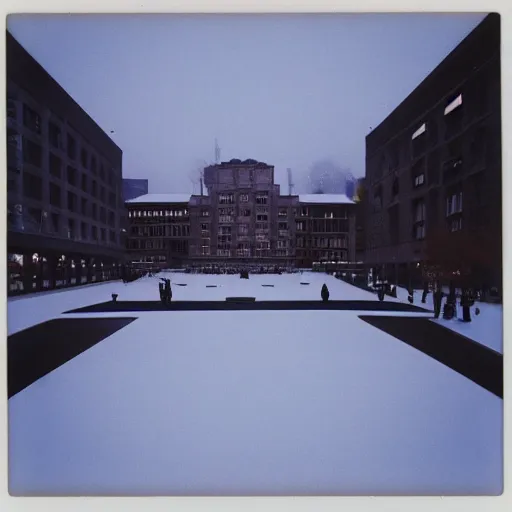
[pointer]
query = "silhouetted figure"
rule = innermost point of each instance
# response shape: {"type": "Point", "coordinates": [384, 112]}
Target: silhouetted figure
{"type": "Point", "coordinates": [325, 293]}
{"type": "Point", "coordinates": [425, 293]}
{"type": "Point", "coordinates": [165, 291]}
{"type": "Point", "coordinates": [438, 299]}
{"type": "Point", "coordinates": [381, 292]}
{"type": "Point", "coordinates": [465, 302]}
{"type": "Point", "coordinates": [410, 297]}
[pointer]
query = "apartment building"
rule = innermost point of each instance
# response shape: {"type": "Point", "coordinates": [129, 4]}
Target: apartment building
{"type": "Point", "coordinates": [243, 217]}
{"type": "Point", "coordinates": [433, 171]}
{"type": "Point", "coordinates": [64, 175]}
{"type": "Point", "coordinates": [158, 231]}
{"type": "Point", "coordinates": [325, 225]}
{"type": "Point", "coordinates": [242, 220]}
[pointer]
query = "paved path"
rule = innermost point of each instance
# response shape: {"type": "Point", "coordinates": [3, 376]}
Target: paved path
{"type": "Point", "coordinates": [37, 351]}
{"type": "Point", "coordinates": [262, 305]}
{"type": "Point", "coordinates": [477, 362]}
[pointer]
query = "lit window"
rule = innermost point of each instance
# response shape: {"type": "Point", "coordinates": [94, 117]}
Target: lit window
{"type": "Point", "coordinates": [422, 129]}
{"type": "Point", "coordinates": [419, 180]}
{"type": "Point", "coordinates": [457, 102]}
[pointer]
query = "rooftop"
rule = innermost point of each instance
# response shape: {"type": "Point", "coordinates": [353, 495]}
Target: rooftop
{"type": "Point", "coordinates": [161, 198]}
{"type": "Point", "coordinates": [325, 199]}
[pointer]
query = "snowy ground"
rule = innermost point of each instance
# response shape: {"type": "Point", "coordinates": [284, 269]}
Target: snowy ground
{"type": "Point", "coordinates": [25, 312]}
{"type": "Point", "coordinates": [259, 402]}
{"type": "Point", "coordinates": [485, 328]}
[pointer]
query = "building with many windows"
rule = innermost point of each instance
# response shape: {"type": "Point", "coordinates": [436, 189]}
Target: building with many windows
{"type": "Point", "coordinates": [158, 231]}
{"type": "Point", "coordinates": [64, 175]}
{"type": "Point", "coordinates": [433, 171]}
{"type": "Point", "coordinates": [242, 220]}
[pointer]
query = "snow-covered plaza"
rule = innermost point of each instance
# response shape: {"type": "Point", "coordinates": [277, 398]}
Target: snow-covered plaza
{"type": "Point", "coordinates": [251, 402]}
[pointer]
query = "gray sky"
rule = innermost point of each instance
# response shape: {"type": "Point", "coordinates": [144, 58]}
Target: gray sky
{"type": "Point", "coordinates": [288, 90]}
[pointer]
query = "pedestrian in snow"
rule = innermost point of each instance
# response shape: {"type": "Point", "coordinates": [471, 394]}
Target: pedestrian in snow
{"type": "Point", "coordinates": [438, 299]}
{"type": "Point", "coordinates": [325, 293]}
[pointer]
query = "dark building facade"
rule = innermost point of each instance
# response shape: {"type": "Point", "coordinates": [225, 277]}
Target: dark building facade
{"type": "Point", "coordinates": [159, 231]}
{"type": "Point", "coordinates": [433, 171]}
{"type": "Point", "coordinates": [133, 188]}
{"type": "Point", "coordinates": [64, 185]}
{"type": "Point", "coordinates": [243, 220]}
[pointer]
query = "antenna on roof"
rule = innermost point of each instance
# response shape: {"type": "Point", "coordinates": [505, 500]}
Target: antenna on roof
{"type": "Point", "coordinates": [290, 184]}
{"type": "Point", "coordinates": [217, 152]}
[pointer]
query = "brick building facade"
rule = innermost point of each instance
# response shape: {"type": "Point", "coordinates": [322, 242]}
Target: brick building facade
{"type": "Point", "coordinates": [242, 220]}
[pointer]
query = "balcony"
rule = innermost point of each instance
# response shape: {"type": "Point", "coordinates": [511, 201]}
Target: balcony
{"type": "Point", "coordinates": [284, 233]}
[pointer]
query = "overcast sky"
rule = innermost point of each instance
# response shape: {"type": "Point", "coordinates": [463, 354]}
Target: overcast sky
{"type": "Point", "coordinates": [288, 90]}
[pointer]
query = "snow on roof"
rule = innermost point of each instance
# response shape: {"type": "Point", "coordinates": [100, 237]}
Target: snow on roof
{"type": "Point", "coordinates": [325, 199]}
{"type": "Point", "coordinates": [161, 198]}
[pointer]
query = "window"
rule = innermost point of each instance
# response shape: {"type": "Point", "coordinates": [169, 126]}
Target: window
{"type": "Point", "coordinates": [283, 212]}
{"type": "Point", "coordinates": [244, 198]}
{"type": "Point", "coordinates": [420, 131]}
{"type": "Point", "coordinates": [55, 222]}
{"type": "Point", "coordinates": [103, 235]}
{"type": "Point", "coordinates": [94, 211]}
{"type": "Point", "coordinates": [282, 244]}
{"type": "Point", "coordinates": [72, 176]}
{"type": "Point", "coordinates": [304, 211]}
{"type": "Point", "coordinates": [94, 188]}
{"type": "Point", "coordinates": [32, 186]}
{"type": "Point", "coordinates": [395, 188]}
{"type": "Point", "coordinates": [94, 233]}
{"type": "Point", "coordinates": [262, 218]}
{"type": "Point", "coordinates": [205, 250]}
{"type": "Point", "coordinates": [84, 206]}
{"type": "Point", "coordinates": [419, 215]}
{"type": "Point", "coordinates": [71, 147]}
{"type": "Point", "coordinates": [55, 165]}
{"type": "Point", "coordinates": [93, 164]}
{"type": "Point", "coordinates": [102, 173]}
{"type": "Point", "coordinates": [453, 105]}
{"type": "Point", "coordinates": [111, 219]}
{"type": "Point", "coordinates": [71, 229]}
{"type": "Point", "coordinates": [262, 227]}
{"type": "Point", "coordinates": [243, 229]}
{"type": "Point", "coordinates": [31, 119]}
{"type": "Point", "coordinates": [300, 226]}
{"type": "Point", "coordinates": [419, 179]}
{"type": "Point", "coordinates": [72, 202]}
{"type": "Point", "coordinates": [84, 231]}
{"type": "Point", "coordinates": [103, 215]}
{"type": "Point", "coordinates": [377, 198]}
{"type": "Point", "coordinates": [102, 194]}
{"type": "Point", "coordinates": [226, 198]}
{"type": "Point", "coordinates": [245, 212]}
{"type": "Point", "coordinates": [54, 135]}
{"type": "Point", "coordinates": [456, 224]}
{"type": "Point", "coordinates": [454, 203]}
{"type": "Point", "coordinates": [55, 195]}
{"type": "Point", "coordinates": [84, 182]}
{"type": "Point", "coordinates": [32, 153]}
{"type": "Point", "coordinates": [262, 198]}
{"type": "Point", "coordinates": [11, 109]}
{"type": "Point", "coordinates": [453, 117]}
{"type": "Point", "coordinates": [205, 213]}
{"type": "Point", "coordinates": [84, 158]}
{"type": "Point", "coordinates": [112, 235]}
